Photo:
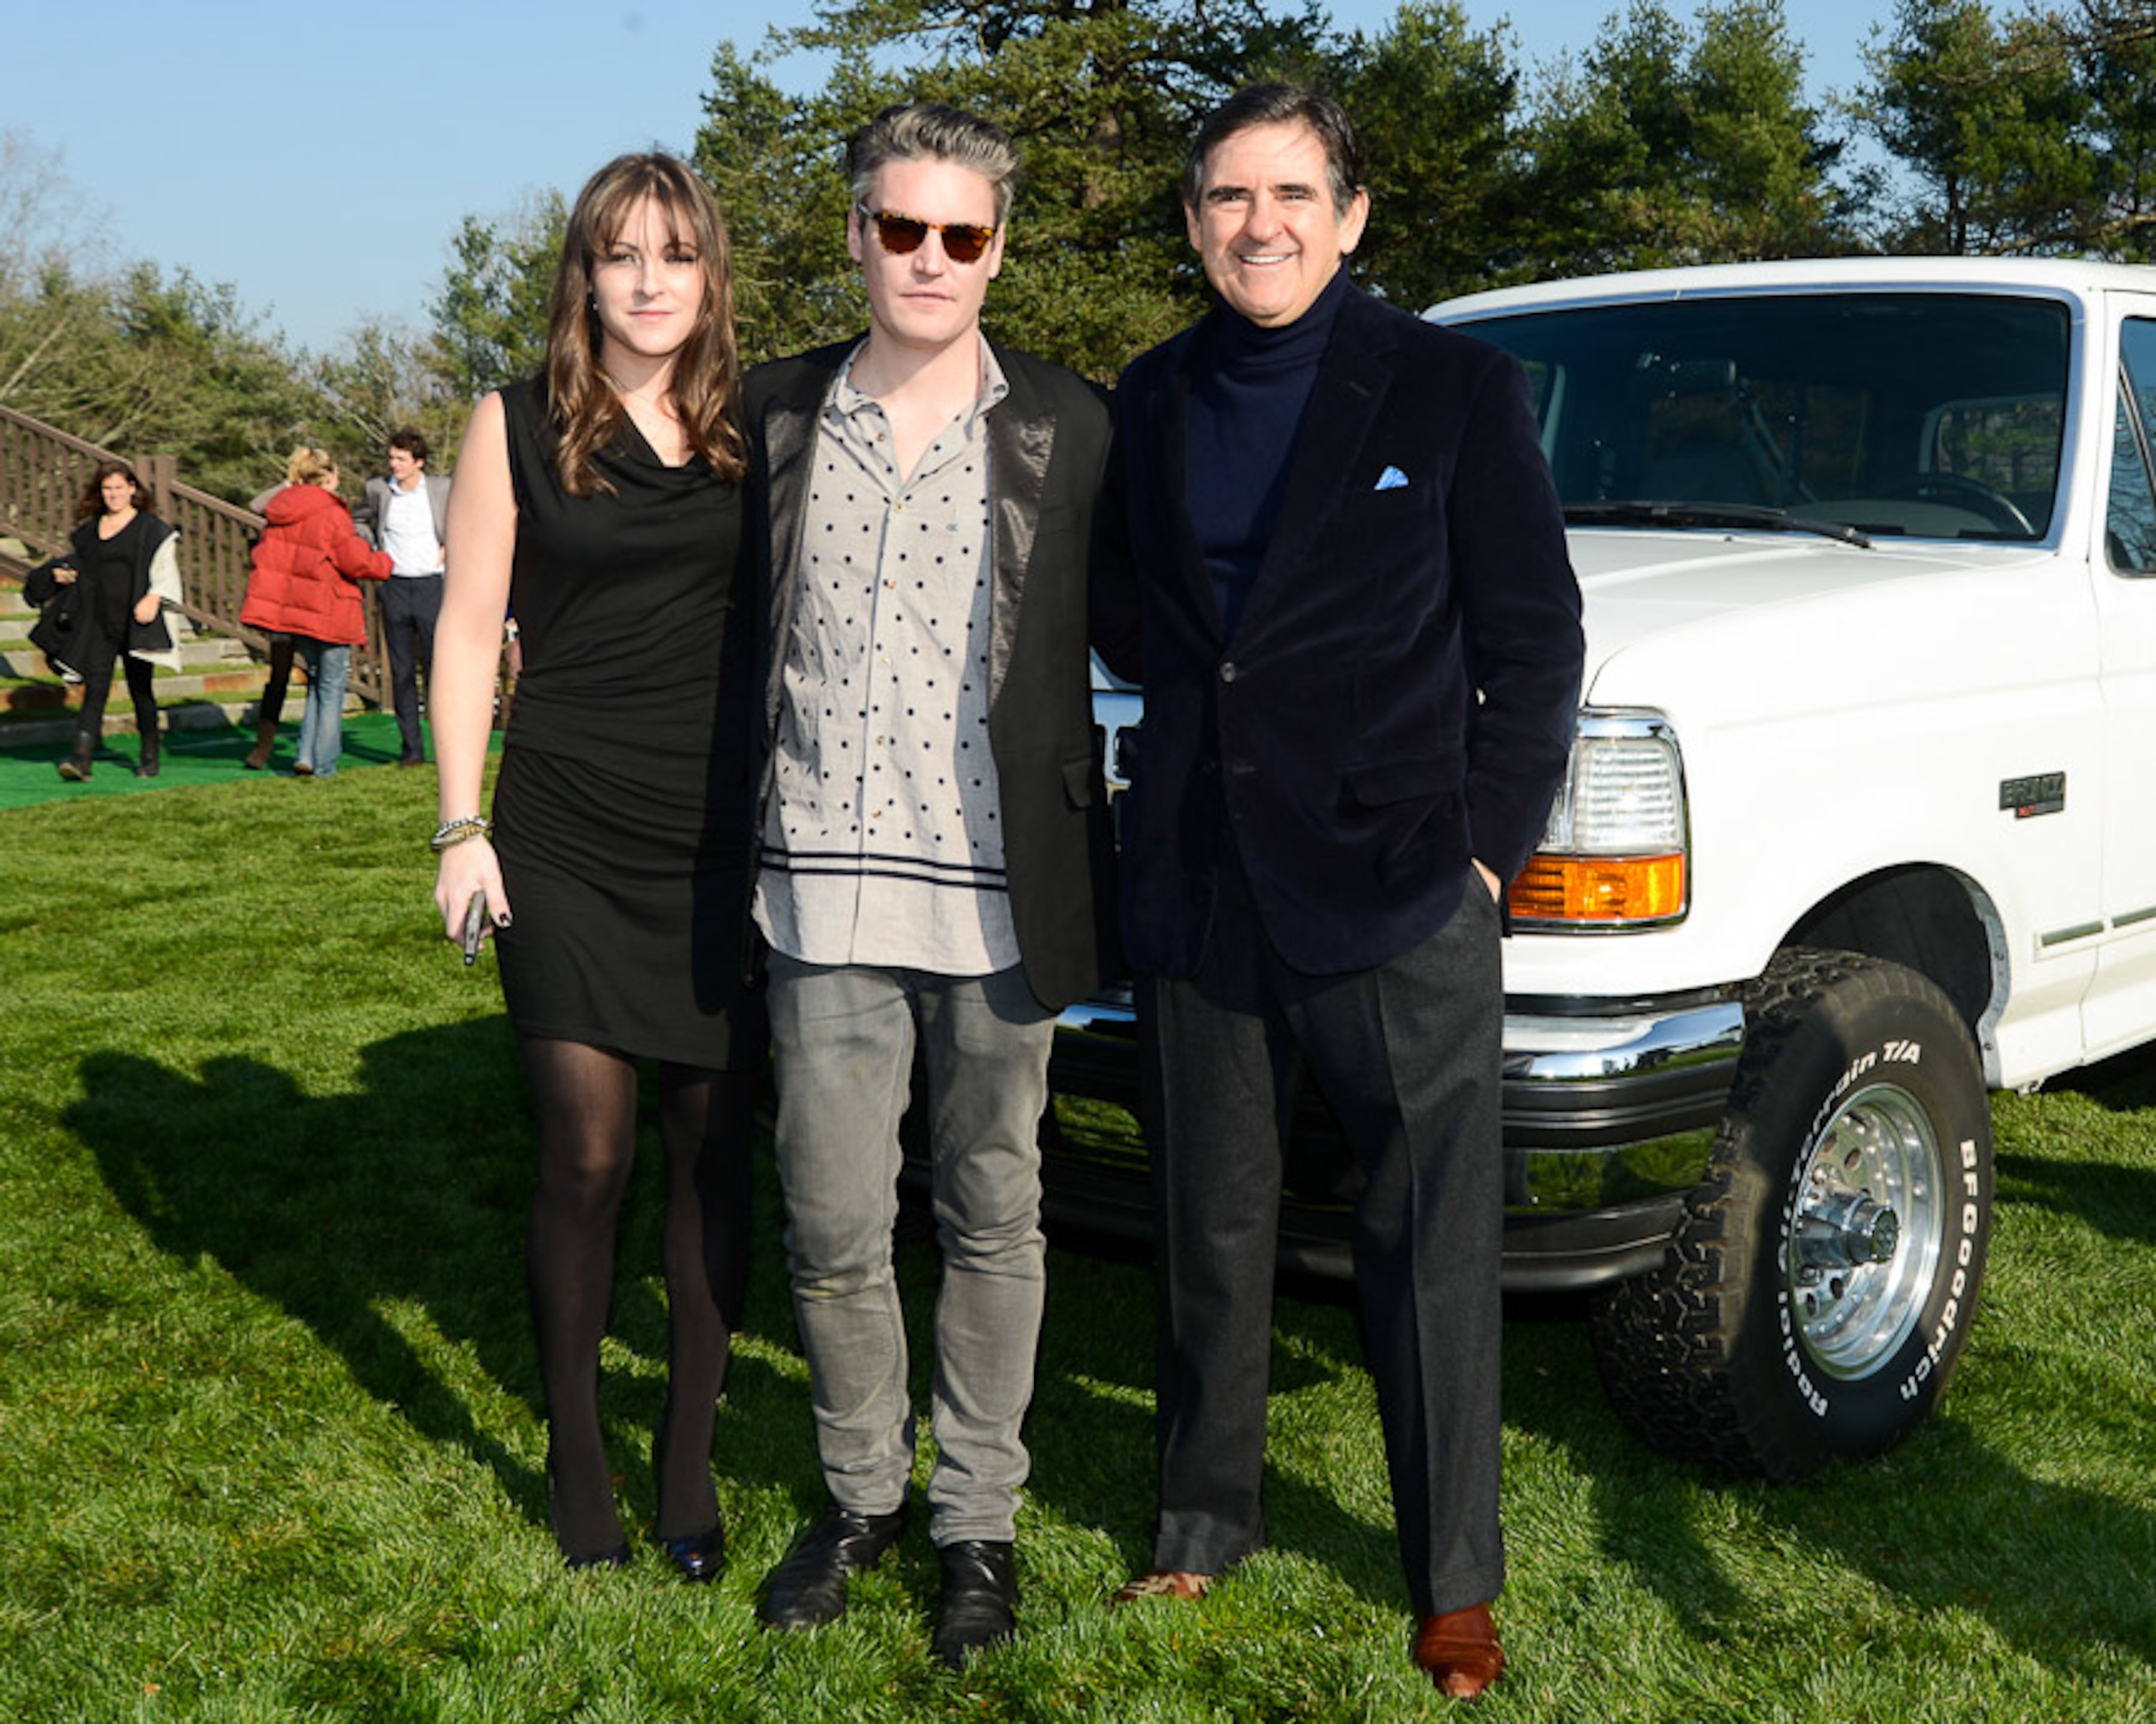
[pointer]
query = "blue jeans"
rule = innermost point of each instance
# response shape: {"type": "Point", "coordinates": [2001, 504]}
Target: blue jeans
{"type": "Point", "coordinates": [843, 1040]}
{"type": "Point", "coordinates": [322, 730]}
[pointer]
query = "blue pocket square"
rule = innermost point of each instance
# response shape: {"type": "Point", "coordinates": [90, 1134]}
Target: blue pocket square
{"type": "Point", "coordinates": [1391, 480]}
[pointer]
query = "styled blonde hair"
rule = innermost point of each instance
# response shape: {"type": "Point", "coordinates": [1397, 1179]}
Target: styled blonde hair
{"type": "Point", "coordinates": [309, 466]}
{"type": "Point", "coordinates": [707, 373]}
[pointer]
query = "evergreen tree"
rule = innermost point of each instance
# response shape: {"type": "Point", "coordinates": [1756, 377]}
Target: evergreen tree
{"type": "Point", "coordinates": [1670, 147]}
{"type": "Point", "coordinates": [1989, 121]}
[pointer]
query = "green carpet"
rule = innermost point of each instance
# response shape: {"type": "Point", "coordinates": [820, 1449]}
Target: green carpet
{"type": "Point", "coordinates": [191, 757]}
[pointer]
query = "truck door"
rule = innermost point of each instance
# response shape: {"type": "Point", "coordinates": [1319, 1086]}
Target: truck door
{"type": "Point", "coordinates": [2121, 1007]}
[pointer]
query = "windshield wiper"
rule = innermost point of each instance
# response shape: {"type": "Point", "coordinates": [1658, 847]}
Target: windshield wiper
{"type": "Point", "coordinates": [1739, 514]}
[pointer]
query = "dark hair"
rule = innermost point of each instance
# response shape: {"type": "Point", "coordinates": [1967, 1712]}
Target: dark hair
{"type": "Point", "coordinates": [706, 374]}
{"type": "Point", "coordinates": [1276, 105]}
{"type": "Point", "coordinates": [924, 131]}
{"type": "Point", "coordinates": [410, 439]}
{"type": "Point", "coordinates": [92, 502]}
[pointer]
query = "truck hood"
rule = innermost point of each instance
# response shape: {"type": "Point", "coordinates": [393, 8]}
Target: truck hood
{"type": "Point", "coordinates": [1665, 586]}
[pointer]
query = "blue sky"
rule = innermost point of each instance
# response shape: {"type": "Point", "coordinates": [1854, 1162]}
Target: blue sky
{"type": "Point", "coordinates": [322, 168]}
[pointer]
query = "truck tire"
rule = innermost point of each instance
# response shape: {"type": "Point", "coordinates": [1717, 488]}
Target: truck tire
{"type": "Point", "coordinates": [1815, 1297]}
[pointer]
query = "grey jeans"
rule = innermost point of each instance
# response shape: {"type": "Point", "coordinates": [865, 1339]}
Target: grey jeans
{"type": "Point", "coordinates": [844, 1040]}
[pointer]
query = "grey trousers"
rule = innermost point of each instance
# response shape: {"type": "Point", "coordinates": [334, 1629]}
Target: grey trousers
{"type": "Point", "coordinates": [844, 1041]}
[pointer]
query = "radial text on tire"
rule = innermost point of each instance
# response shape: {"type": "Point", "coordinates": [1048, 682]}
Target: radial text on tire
{"type": "Point", "coordinates": [1816, 1296]}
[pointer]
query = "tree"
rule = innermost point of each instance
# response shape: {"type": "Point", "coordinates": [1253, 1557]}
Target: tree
{"type": "Point", "coordinates": [45, 312]}
{"type": "Point", "coordinates": [1435, 106]}
{"type": "Point", "coordinates": [490, 319]}
{"type": "Point", "coordinates": [382, 377]}
{"type": "Point", "coordinates": [771, 162]}
{"type": "Point", "coordinates": [193, 375]}
{"type": "Point", "coordinates": [1099, 96]}
{"type": "Point", "coordinates": [1668, 148]}
{"type": "Point", "coordinates": [1990, 124]}
{"type": "Point", "coordinates": [1764, 163]}
{"type": "Point", "coordinates": [2114, 47]}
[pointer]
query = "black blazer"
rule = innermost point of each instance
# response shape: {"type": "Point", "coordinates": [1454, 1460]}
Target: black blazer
{"type": "Point", "coordinates": [1048, 453]}
{"type": "Point", "coordinates": [1399, 696]}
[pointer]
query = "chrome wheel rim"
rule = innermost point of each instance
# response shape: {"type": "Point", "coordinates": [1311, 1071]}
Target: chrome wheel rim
{"type": "Point", "coordinates": [1866, 1230]}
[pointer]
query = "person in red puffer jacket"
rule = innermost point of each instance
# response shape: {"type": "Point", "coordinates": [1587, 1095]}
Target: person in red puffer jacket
{"type": "Point", "coordinates": [303, 582]}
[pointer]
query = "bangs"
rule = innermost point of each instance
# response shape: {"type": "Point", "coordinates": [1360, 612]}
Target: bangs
{"type": "Point", "coordinates": [614, 206]}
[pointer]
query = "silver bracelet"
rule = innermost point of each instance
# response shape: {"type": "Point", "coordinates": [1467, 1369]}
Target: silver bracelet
{"type": "Point", "coordinates": [456, 831]}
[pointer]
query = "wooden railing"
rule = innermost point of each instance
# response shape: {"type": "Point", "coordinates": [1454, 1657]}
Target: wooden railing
{"type": "Point", "coordinates": [43, 474]}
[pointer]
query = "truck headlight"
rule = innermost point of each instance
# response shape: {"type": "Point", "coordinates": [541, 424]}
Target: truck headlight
{"type": "Point", "coordinates": [1614, 854]}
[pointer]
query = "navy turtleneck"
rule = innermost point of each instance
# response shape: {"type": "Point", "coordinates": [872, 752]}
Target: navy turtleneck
{"type": "Point", "coordinates": [1249, 386]}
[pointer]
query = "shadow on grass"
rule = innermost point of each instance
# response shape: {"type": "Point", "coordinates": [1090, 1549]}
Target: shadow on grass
{"type": "Point", "coordinates": [1092, 1434]}
{"type": "Point", "coordinates": [2124, 1083]}
{"type": "Point", "coordinates": [1090, 1431]}
{"type": "Point", "coordinates": [2105, 1197]}
{"type": "Point", "coordinates": [1945, 1521]}
{"type": "Point", "coordinates": [412, 1190]}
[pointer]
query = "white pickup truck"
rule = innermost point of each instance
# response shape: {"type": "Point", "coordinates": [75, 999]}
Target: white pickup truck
{"type": "Point", "coordinates": [1860, 819]}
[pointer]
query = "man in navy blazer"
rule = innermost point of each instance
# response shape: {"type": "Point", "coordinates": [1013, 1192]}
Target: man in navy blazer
{"type": "Point", "coordinates": [1349, 601]}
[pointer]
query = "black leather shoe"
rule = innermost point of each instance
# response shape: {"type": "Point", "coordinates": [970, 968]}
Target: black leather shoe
{"type": "Point", "coordinates": [980, 1598]}
{"type": "Point", "coordinates": [700, 1556]}
{"type": "Point", "coordinates": [617, 1557]}
{"type": "Point", "coordinates": [808, 1589]}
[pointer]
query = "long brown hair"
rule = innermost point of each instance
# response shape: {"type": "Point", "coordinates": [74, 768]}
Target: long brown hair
{"type": "Point", "coordinates": [91, 504]}
{"type": "Point", "coordinates": [707, 372]}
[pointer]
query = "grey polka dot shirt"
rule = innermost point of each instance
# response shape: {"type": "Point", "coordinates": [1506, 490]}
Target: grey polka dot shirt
{"type": "Point", "coordinates": [883, 844]}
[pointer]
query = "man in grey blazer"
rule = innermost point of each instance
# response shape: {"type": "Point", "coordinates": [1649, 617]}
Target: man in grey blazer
{"type": "Point", "coordinates": [935, 857]}
{"type": "Point", "coordinates": [406, 512]}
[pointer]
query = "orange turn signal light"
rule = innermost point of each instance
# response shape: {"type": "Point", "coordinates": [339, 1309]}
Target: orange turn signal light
{"type": "Point", "coordinates": [1599, 891]}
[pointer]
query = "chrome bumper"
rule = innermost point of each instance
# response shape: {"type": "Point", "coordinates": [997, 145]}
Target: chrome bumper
{"type": "Point", "coordinates": [1608, 1117]}
{"type": "Point", "coordinates": [1597, 1080]}
{"type": "Point", "coordinates": [1585, 1079]}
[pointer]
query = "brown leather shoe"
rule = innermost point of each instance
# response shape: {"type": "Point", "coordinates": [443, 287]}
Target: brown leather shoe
{"type": "Point", "coordinates": [1460, 1650]}
{"type": "Point", "coordinates": [1179, 1583]}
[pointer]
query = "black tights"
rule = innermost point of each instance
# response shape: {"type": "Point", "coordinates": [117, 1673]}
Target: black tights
{"type": "Point", "coordinates": [585, 1098]}
{"type": "Point", "coordinates": [104, 652]}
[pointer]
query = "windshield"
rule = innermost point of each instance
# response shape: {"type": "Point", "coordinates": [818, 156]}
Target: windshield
{"type": "Point", "coordinates": [1923, 414]}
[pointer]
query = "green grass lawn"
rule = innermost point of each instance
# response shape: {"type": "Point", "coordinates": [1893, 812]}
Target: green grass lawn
{"type": "Point", "coordinates": [189, 758]}
{"type": "Point", "coordinates": [269, 1449]}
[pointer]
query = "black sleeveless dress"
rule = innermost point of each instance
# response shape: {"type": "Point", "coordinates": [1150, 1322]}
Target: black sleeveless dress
{"type": "Point", "coordinates": [622, 810]}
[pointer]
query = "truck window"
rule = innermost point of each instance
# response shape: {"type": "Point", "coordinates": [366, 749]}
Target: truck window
{"type": "Point", "coordinates": [2129, 526]}
{"type": "Point", "coordinates": [1924, 414]}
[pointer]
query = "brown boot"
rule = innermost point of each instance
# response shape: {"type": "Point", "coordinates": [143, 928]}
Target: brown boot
{"type": "Point", "coordinates": [76, 766]}
{"type": "Point", "coordinates": [265, 740]}
{"type": "Point", "coordinates": [146, 765]}
{"type": "Point", "coordinates": [1460, 1650]}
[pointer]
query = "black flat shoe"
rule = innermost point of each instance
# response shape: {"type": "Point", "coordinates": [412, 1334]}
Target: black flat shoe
{"type": "Point", "coordinates": [808, 1589]}
{"type": "Point", "coordinates": [700, 1556]}
{"type": "Point", "coordinates": [980, 1598]}
{"type": "Point", "coordinates": [617, 1557]}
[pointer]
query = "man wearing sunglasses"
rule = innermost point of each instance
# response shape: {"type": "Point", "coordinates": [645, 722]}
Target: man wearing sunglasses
{"type": "Point", "coordinates": [934, 857]}
{"type": "Point", "coordinates": [1362, 653]}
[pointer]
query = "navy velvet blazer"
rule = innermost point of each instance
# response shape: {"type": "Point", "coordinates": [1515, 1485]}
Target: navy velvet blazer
{"type": "Point", "coordinates": [1400, 695]}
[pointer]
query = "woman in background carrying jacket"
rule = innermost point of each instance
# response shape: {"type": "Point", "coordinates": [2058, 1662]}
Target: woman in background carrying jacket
{"type": "Point", "coordinates": [303, 582]}
{"type": "Point", "coordinates": [104, 599]}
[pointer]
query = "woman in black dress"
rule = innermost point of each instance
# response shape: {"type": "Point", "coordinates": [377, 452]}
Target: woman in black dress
{"type": "Point", "coordinates": [601, 500]}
